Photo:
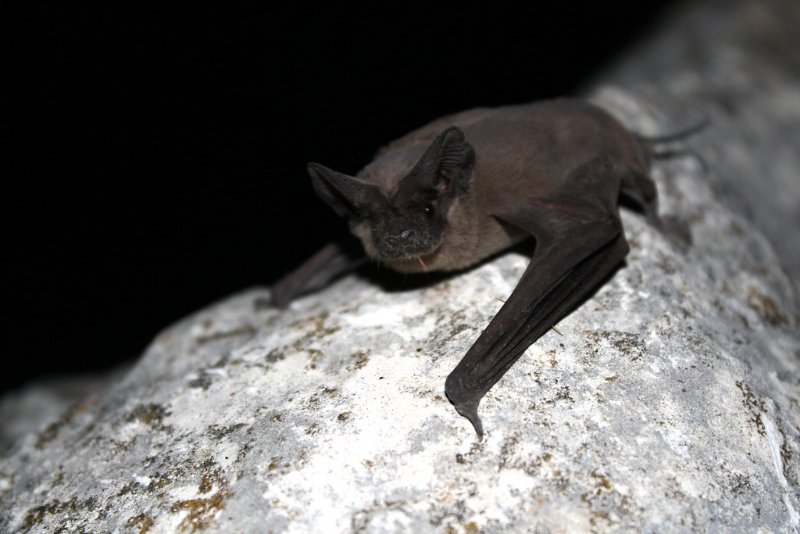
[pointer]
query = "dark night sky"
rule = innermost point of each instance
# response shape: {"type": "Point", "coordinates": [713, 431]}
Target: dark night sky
{"type": "Point", "coordinates": [155, 159]}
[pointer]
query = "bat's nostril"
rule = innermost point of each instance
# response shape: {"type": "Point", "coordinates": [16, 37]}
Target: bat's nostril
{"type": "Point", "coordinates": [408, 235]}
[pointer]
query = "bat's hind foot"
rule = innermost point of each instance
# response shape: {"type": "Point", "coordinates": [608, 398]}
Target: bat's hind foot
{"type": "Point", "coordinates": [677, 230]}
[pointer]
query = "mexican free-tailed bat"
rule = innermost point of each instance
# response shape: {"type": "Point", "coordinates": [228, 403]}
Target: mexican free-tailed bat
{"type": "Point", "coordinates": [469, 185]}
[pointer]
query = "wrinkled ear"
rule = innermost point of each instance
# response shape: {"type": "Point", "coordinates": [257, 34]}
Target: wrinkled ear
{"type": "Point", "coordinates": [446, 166]}
{"type": "Point", "coordinates": [348, 196]}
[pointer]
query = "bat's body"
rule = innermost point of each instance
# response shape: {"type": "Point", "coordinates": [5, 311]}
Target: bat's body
{"type": "Point", "coordinates": [469, 185]}
{"type": "Point", "coordinates": [524, 153]}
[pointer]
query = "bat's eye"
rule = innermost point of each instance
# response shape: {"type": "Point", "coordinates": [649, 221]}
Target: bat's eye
{"type": "Point", "coordinates": [428, 210]}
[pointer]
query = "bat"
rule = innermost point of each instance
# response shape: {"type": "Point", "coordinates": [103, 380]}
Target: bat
{"type": "Point", "coordinates": [469, 185]}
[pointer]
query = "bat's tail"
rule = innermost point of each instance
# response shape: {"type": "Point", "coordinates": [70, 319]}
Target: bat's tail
{"type": "Point", "coordinates": [674, 136]}
{"type": "Point", "coordinates": [648, 144]}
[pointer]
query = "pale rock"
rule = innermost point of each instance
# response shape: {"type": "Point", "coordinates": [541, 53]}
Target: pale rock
{"type": "Point", "coordinates": [670, 401]}
{"type": "Point", "coordinates": [736, 63]}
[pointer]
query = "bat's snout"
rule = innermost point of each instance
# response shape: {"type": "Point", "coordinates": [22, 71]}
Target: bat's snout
{"type": "Point", "coordinates": [404, 244]}
{"type": "Point", "coordinates": [405, 238]}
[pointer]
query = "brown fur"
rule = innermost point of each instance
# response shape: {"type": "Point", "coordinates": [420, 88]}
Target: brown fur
{"type": "Point", "coordinates": [522, 153]}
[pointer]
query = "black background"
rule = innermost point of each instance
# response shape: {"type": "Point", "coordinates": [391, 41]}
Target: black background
{"type": "Point", "coordinates": [156, 158]}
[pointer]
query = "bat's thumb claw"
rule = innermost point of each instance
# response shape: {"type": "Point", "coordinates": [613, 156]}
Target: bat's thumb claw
{"type": "Point", "coordinates": [475, 420]}
{"type": "Point", "coordinates": [465, 401]}
{"type": "Point", "coordinates": [470, 411]}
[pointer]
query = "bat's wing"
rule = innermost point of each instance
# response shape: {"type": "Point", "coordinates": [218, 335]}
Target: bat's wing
{"type": "Point", "coordinates": [331, 261]}
{"type": "Point", "coordinates": [579, 242]}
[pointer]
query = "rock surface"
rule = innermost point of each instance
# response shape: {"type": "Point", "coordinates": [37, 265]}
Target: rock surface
{"type": "Point", "coordinates": [25, 410]}
{"type": "Point", "coordinates": [738, 64]}
{"type": "Point", "coordinates": [669, 401]}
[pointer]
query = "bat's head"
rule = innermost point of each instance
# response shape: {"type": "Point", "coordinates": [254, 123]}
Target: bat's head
{"type": "Point", "coordinates": [408, 222]}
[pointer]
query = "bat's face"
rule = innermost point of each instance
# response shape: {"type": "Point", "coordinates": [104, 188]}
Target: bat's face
{"type": "Point", "coordinates": [408, 223]}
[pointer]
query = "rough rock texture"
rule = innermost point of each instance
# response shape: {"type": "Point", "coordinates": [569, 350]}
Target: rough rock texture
{"type": "Point", "coordinates": [737, 63]}
{"type": "Point", "coordinates": [669, 402]}
{"type": "Point", "coordinates": [25, 410]}
{"type": "Point", "coordinates": [671, 399]}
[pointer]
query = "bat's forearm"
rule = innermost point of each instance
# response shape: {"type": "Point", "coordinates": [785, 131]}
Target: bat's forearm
{"type": "Point", "coordinates": [579, 243]}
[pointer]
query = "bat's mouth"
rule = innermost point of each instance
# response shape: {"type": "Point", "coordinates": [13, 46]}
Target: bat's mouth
{"type": "Point", "coordinates": [406, 256]}
{"type": "Point", "coordinates": [407, 246]}
{"type": "Point", "coordinates": [403, 251]}
{"type": "Point", "coordinates": [416, 264]}
{"type": "Point", "coordinates": [412, 263]}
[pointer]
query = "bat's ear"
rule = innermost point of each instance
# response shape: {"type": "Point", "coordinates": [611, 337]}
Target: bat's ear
{"type": "Point", "coordinates": [348, 196]}
{"type": "Point", "coordinates": [447, 164]}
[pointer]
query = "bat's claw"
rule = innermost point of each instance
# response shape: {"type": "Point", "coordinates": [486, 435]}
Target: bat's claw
{"type": "Point", "coordinates": [470, 411]}
{"type": "Point", "coordinates": [465, 401]}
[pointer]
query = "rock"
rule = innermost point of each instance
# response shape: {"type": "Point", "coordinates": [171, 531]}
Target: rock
{"type": "Point", "coordinates": [27, 409]}
{"type": "Point", "coordinates": [669, 398]}
{"type": "Point", "coordinates": [668, 401]}
{"type": "Point", "coordinates": [738, 64]}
